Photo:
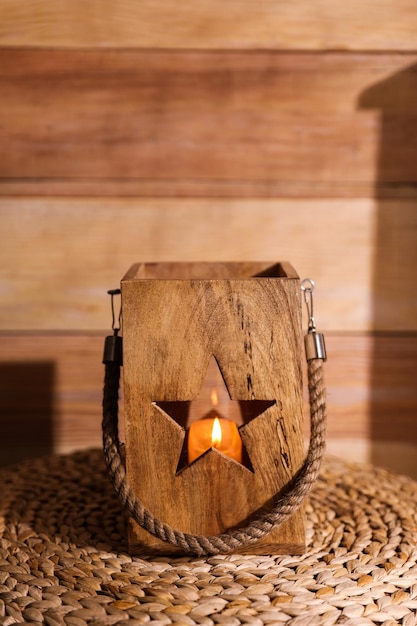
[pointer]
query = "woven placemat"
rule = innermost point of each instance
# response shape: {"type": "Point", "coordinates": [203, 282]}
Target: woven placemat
{"type": "Point", "coordinates": [64, 558]}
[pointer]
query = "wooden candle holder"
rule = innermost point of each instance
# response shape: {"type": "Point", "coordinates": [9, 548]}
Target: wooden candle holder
{"type": "Point", "coordinates": [182, 323]}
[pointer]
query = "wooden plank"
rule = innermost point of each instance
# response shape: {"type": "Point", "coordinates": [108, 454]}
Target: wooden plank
{"type": "Point", "coordinates": [369, 25]}
{"type": "Point", "coordinates": [371, 387]}
{"type": "Point", "coordinates": [372, 400]}
{"type": "Point", "coordinates": [234, 319]}
{"type": "Point", "coordinates": [50, 394]}
{"type": "Point", "coordinates": [152, 123]}
{"type": "Point", "coordinates": [60, 256]}
{"type": "Point", "coordinates": [372, 396]}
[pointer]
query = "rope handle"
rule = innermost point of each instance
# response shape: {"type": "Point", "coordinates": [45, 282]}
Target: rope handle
{"type": "Point", "coordinates": [285, 503]}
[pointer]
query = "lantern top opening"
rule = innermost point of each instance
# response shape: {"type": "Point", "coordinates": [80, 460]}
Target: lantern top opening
{"type": "Point", "coordinates": [210, 271]}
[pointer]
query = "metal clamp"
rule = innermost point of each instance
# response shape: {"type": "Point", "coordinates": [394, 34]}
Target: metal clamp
{"type": "Point", "coordinates": [113, 344]}
{"type": "Point", "coordinates": [314, 343]}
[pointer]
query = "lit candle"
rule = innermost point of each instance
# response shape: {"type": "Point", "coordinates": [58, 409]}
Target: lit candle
{"type": "Point", "coordinates": [214, 431]}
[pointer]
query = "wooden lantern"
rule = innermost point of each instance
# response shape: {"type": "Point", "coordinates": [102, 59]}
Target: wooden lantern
{"type": "Point", "coordinates": [189, 328]}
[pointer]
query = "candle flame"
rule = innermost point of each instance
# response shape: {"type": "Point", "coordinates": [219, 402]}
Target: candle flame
{"type": "Point", "coordinates": [214, 398]}
{"type": "Point", "coordinates": [216, 433]}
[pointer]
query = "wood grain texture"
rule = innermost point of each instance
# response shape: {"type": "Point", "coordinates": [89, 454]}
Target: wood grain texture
{"type": "Point", "coordinates": [369, 25]}
{"type": "Point", "coordinates": [60, 256]}
{"type": "Point", "coordinates": [171, 328]}
{"type": "Point", "coordinates": [206, 123]}
{"type": "Point", "coordinates": [372, 396]}
{"type": "Point", "coordinates": [180, 112]}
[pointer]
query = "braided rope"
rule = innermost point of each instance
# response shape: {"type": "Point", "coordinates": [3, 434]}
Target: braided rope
{"type": "Point", "coordinates": [285, 504]}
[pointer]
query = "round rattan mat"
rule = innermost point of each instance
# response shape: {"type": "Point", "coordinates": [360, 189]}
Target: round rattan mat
{"type": "Point", "coordinates": [64, 557]}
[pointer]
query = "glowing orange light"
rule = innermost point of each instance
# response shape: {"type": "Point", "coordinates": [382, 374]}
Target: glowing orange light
{"type": "Point", "coordinates": [214, 398]}
{"type": "Point", "coordinates": [216, 433]}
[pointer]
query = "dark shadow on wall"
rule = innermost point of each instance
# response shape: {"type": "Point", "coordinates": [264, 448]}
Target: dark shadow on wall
{"type": "Point", "coordinates": [393, 380]}
{"type": "Point", "coordinates": [26, 410]}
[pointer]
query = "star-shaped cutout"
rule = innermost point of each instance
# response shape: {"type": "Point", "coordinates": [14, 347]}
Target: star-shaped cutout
{"type": "Point", "coordinates": [214, 400]}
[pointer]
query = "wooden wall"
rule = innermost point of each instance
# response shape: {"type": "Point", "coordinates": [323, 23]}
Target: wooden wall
{"type": "Point", "coordinates": [139, 131]}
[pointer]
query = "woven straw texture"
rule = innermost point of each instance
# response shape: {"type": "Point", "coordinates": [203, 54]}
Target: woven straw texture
{"type": "Point", "coordinates": [64, 558]}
